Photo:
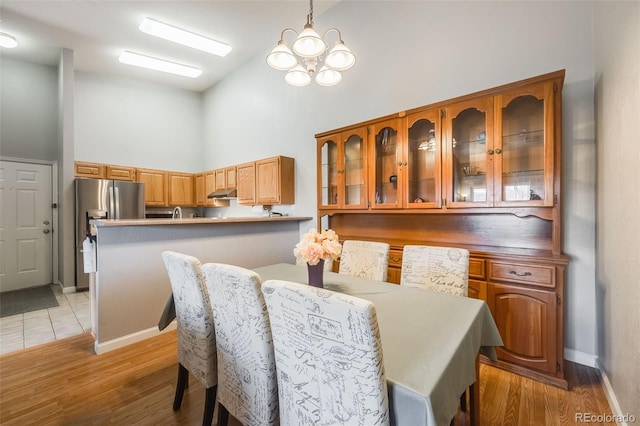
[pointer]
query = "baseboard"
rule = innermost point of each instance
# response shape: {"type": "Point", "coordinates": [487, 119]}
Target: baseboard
{"type": "Point", "coordinates": [120, 342]}
{"type": "Point", "coordinates": [67, 290]}
{"type": "Point", "coordinates": [611, 397]}
{"type": "Point", "coordinates": [581, 358]}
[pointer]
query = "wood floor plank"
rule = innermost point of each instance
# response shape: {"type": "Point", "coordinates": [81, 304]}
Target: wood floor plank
{"type": "Point", "coordinates": [65, 383]}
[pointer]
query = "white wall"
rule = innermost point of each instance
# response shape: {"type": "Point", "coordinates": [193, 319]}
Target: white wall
{"type": "Point", "coordinates": [135, 123]}
{"type": "Point", "coordinates": [29, 110]}
{"type": "Point", "coordinates": [415, 53]}
{"type": "Point", "coordinates": [617, 72]}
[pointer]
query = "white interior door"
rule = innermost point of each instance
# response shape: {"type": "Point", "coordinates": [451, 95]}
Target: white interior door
{"type": "Point", "coordinates": [25, 225]}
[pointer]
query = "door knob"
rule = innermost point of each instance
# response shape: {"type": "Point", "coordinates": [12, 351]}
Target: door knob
{"type": "Point", "coordinates": [46, 231]}
{"type": "Point", "coordinates": [46, 222]}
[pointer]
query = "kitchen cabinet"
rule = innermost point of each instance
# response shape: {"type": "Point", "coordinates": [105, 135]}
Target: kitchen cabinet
{"type": "Point", "coordinates": [121, 173]}
{"type": "Point", "coordinates": [210, 186]}
{"type": "Point", "coordinates": [221, 181]}
{"type": "Point", "coordinates": [275, 181]}
{"type": "Point", "coordinates": [230, 177]}
{"type": "Point", "coordinates": [482, 172]}
{"type": "Point", "coordinates": [156, 190]}
{"type": "Point", "coordinates": [181, 189]}
{"type": "Point", "coordinates": [200, 189]}
{"type": "Point", "coordinates": [246, 183]}
{"type": "Point", "coordinates": [342, 172]}
{"type": "Point", "coordinates": [89, 170]}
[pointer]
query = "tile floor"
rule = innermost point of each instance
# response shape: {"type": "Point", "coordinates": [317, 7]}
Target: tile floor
{"type": "Point", "coordinates": [71, 317]}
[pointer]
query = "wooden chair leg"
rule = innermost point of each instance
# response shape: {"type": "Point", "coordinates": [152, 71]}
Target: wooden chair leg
{"type": "Point", "coordinates": [223, 415]}
{"type": "Point", "coordinates": [183, 377]}
{"type": "Point", "coordinates": [209, 406]}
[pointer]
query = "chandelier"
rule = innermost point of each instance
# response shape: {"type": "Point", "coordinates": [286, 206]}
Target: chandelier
{"type": "Point", "coordinates": [303, 62]}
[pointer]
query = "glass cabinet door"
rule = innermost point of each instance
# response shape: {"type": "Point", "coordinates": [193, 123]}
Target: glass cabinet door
{"type": "Point", "coordinates": [470, 153]}
{"type": "Point", "coordinates": [328, 179]}
{"type": "Point", "coordinates": [422, 172]}
{"type": "Point", "coordinates": [355, 195]}
{"type": "Point", "coordinates": [386, 165]}
{"type": "Point", "coordinates": [524, 152]}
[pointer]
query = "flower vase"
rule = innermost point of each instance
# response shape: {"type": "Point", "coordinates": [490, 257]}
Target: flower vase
{"type": "Point", "coordinates": [316, 274]}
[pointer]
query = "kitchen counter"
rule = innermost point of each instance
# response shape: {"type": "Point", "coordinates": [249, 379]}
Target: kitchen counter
{"type": "Point", "coordinates": [196, 221]}
{"type": "Point", "coordinates": [129, 290]}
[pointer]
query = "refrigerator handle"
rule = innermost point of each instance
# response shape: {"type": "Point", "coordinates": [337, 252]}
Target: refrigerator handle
{"type": "Point", "coordinates": [117, 202]}
{"type": "Point", "coordinates": [112, 210]}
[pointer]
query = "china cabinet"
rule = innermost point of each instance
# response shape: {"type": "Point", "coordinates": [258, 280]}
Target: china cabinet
{"type": "Point", "coordinates": [342, 170]}
{"type": "Point", "coordinates": [482, 172]}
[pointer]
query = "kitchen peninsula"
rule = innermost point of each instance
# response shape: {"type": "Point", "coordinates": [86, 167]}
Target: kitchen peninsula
{"type": "Point", "coordinates": [131, 286]}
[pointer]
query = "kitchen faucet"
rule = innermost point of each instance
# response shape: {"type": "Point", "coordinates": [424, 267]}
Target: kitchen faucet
{"type": "Point", "coordinates": [177, 213]}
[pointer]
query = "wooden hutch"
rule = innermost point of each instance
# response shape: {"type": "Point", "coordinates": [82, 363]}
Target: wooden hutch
{"type": "Point", "coordinates": [481, 172]}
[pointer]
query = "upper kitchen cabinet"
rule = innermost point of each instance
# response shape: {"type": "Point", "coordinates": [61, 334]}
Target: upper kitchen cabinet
{"type": "Point", "coordinates": [420, 172]}
{"type": "Point", "coordinates": [342, 177]}
{"type": "Point", "coordinates": [230, 177]}
{"type": "Point", "coordinates": [246, 183]}
{"type": "Point", "coordinates": [181, 189]}
{"type": "Point", "coordinates": [155, 186]}
{"type": "Point", "coordinates": [385, 164]}
{"type": "Point", "coordinates": [89, 170]}
{"type": "Point", "coordinates": [221, 180]}
{"type": "Point", "coordinates": [275, 181]}
{"type": "Point", "coordinates": [200, 190]}
{"type": "Point", "coordinates": [121, 173]}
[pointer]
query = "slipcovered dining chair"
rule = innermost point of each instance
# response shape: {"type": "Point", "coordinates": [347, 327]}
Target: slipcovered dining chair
{"type": "Point", "coordinates": [328, 356]}
{"type": "Point", "coordinates": [247, 384]}
{"type": "Point", "coordinates": [365, 259]}
{"type": "Point", "coordinates": [439, 269]}
{"type": "Point", "coordinates": [196, 335]}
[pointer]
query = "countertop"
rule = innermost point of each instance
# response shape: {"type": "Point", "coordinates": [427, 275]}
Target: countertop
{"type": "Point", "coordinates": [196, 221]}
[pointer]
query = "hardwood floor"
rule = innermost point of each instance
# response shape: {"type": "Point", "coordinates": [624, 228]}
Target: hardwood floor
{"type": "Point", "coordinates": [65, 383]}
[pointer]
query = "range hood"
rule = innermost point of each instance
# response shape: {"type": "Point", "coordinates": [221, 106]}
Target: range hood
{"type": "Point", "coordinates": [224, 194]}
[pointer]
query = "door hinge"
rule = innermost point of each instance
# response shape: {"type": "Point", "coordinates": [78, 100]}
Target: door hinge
{"type": "Point", "coordinates": [555, 199]}
{"type": "Point", "coordinates": [443, 113]}
{"type": "Point", "coordinates": [558, 300]}
{"type": "Point", "coordinates": [558, 368]}
{"type": "Point", "coordinates": [54, 205]}
{"type": "Point", "coordinates": [555, 87]}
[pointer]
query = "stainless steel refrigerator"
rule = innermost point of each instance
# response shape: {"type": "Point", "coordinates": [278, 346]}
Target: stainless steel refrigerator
{"type": "Point", "coordinates": [103, 199]}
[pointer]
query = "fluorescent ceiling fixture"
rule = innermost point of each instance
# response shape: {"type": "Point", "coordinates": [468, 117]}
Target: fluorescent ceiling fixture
{"type": "Point", "coordinates": [8, 41]}
{"type": "Point", "coordinates": [186, 38]}
{"type": "Point", "coordinates": [143, 61]}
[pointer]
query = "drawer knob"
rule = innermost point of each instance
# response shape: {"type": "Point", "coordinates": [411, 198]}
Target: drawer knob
{"type": "Point", "coordinates": [395, 259]}
{"type": "Point", "coordinates": [524, 274]}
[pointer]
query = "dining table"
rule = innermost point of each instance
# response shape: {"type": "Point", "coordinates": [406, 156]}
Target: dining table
{"type": "Point", "coordinates": [430, 343]}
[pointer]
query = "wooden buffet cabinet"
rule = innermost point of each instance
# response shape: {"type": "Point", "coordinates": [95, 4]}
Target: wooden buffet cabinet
{"type": "Point", "coordinates": [481, 172]}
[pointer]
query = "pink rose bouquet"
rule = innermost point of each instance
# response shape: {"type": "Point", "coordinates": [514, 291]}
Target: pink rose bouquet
{"type": "Point", "coordinates": [315, 246]}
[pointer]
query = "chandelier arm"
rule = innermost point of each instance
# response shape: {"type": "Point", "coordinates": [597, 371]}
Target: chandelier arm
{"type": "Point", "coordinates": [285, 30]}
{"type": "Point", "coordinates": [329, 30]}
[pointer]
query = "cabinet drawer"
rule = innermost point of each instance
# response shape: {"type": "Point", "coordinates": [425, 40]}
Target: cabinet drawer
{"type": "Point", "coordinates": [523, 273]}
{"type": "Point", "coordinates": [395, 258]}
{"type": "Point", "coordinates": [476, 268]}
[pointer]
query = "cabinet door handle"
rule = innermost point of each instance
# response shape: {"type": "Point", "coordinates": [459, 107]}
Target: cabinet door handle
{"type": "Point", "coordinates": [490, 152]}
{"type": "Point", "coordinates": [498, 151]}
{"type": "Point", "coordinates": [396, 259]}
{"type": "Point", "coordinates": [524, 274]}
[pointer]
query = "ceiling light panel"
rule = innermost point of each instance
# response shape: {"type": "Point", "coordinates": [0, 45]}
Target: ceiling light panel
{"type": "Point", "coordinates": [186, 38]}
{"type": "Point", "coordinates": [149, 62]}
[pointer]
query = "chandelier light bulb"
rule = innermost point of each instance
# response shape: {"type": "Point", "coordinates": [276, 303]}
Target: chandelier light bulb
{"type": "Point", "coordinates": [281, 57]}
{"type": "Point", "coordinates": [340, 57]}
{"type": "Point", "coordinates": [309, 44]}
{"type": "Point", "coordinates": [298, 76]}
{"type": "Point", "coordinates": [328, 77]}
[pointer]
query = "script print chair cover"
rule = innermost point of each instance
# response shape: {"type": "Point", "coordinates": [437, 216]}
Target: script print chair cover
{"type": "Point", "coordinates": [328, 356]}
{"type": "Point", "coordinates": [438, 269]}
{"type": "Point", "coordinates": [196, 335]}
{"type": "Point", "coordinates": [247, 383]}
{"type": "Point", "coordinates": [365, 259]}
